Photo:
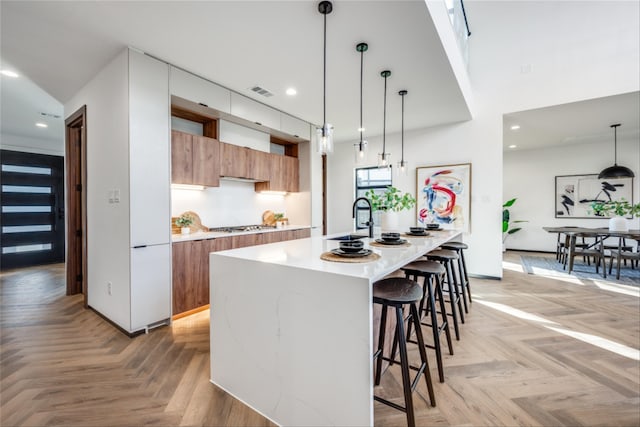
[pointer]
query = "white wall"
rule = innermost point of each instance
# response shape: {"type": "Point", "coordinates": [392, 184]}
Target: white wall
{"type": "Point", "coordinates": [106, 98]}
{"type": "Point", "coordinates": [54, 147]}
{"type": "Point", "coordinates": [523, 55]}
{"type": "Point", "coordinates": [529, 175]}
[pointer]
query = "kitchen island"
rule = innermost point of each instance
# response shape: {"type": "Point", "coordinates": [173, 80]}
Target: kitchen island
{"type": "Point", "coordinates": [291, 334]}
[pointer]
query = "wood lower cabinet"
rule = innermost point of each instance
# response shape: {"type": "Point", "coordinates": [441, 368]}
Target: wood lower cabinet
{"type": "Point", "coordinates": [194, 159]}
{"type": "Point", "coordinates": [191, 264]}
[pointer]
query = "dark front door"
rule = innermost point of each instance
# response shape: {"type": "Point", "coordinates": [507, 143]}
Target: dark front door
{"type": "Point", "coordinates": [32, 209]}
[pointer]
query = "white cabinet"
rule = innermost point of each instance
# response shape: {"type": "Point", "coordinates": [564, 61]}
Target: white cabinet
{"type": "Point", "coordinates": [296, 127]}
{"type": "Point", "coordinates": [150, 285]}
{"type": "Point", "coordinates": [149, 151]}
{"type": "Point", "coordinates": [198, 90]}
{"type": "Point", "coordinates": [253, 111]}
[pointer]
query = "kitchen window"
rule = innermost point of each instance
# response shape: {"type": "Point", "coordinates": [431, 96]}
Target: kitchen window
{"type": "Point", "coordinates": [371, 178]}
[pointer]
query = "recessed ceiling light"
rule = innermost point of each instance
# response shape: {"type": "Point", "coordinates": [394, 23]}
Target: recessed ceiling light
{"type": "Point", "coordinates": [515, 127]}
{"type": "Point", "coordinates": [42, 125]}
{"type": "Point", "coordinates": [291, 91]}
{"type": "Point", "coordinates": [512, 146]}
{"type": "Point", "coordinates": [9, 73]}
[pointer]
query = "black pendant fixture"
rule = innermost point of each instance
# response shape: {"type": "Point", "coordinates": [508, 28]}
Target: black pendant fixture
{"type": "Point", "coordinates": [324, 135]}
{"type": "Point", "coordinates": [384, 158]}
{"type": "Point", "coordinates": [361, 147]}
{"type": "Point", "coordinates": [616, 171]}
{"type": "Point", "coordinates": [403, 165]}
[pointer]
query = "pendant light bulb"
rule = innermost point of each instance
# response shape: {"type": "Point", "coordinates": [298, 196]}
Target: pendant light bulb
{"type": "Point", "coordinates": [403, 166]}
{"type": "Point", "coordinates": [384, 157]}
{"type": "Point", "coordinates": [361, 147]}
{"type": "Point", "coordinates": [324, 134]}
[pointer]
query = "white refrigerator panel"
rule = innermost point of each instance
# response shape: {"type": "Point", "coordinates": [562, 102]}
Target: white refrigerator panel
{"type": "Point", "coordinates": [150, 285]}
{"type": "Point", "coordinates": [149, 150]}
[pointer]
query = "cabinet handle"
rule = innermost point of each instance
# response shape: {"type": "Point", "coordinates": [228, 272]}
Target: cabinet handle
{"type": "Point", "coordinates": [258, 123]}
{"type": "Point", "coordinates": [139, 246]}
{"type": "Point", "coordinates": [204, 105]}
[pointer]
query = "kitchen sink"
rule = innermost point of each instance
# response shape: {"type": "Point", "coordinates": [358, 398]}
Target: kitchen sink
{"type": "Point", "coordinates": [349, 237]}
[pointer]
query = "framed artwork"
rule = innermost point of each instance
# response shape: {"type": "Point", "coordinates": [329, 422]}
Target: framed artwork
{"type": "Point", "coordinates": [443, 196]}
{"type": "Point", "coordinates": [575, 193]}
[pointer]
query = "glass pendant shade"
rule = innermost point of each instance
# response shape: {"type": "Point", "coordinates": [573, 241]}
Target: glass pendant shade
{"type": "Point", "coordinates": [360, 152]}
{"type": "Point", "coordinates": [324, 139]}
{"type": "Point", "coordinates": [403, 165]}
{"type": "Point", "coordinates": [384, 160]}
{"type": "Point", "coordinates": [403, 168]}
{"type": "Point", "coordinates": [615, 171]}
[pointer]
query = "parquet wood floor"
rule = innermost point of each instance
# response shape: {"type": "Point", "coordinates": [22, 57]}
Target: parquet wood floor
{"type": "Point", "coordinates": [533, 351]}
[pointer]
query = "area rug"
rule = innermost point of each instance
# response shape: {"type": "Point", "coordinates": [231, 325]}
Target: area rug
{"type": "Point", "coordinates": [551, 267]}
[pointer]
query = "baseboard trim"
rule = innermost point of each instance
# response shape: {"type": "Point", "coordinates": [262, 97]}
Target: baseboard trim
{"type": "Point", "coordinates": [530, 250]}
{"type": "Point", "coordinates": [118, 327]}
{"type": "Point", "coordinates": [482, 276]}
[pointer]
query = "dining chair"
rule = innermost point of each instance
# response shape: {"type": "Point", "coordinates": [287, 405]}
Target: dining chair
{"type": "Point", "coordinates": [620, 253]}
{"type": "Point", "coordinates": [595, 250]}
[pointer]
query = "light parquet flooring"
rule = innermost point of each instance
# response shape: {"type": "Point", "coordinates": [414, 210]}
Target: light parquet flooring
{"type": "Point", "coordinates": [533, 351]}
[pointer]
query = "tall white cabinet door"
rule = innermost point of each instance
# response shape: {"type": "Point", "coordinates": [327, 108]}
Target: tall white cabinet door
{"type": "Point", "coordinates": [195, 89]}
{"type": "Point", "coordinates": [253, 111]}
{"type": "Point", "coordinates": [149, 150]}
{"type": "Point", "coordinates": [150, 285]}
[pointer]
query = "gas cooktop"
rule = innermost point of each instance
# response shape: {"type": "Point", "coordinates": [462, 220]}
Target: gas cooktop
{"type": "Point", "coordinates": [239, 228]}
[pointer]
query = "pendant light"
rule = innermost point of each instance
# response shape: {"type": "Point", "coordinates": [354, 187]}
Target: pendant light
{"type": "Point", "coordinates": [403, 165]}
{"type": "Point", "coordinates": [324, 135]}
{"type": "Point", "coordinates": [384, 158]}
{"type": "Point", "coordinates": [361, 147]}
{"type": "Point", "coordinates": [616, 171]}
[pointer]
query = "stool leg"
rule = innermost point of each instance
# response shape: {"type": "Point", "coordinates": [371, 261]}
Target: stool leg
{"type": "Point", "coordinates": [434, 328]}
{"type": "Point", "coordinates": [383, 325]}
{"type": "Point", "coordinates": [462, 282]}
{"type": "Point", "coordinates": [454, 281]}
{"type": "Point", "coordinates": [443, 313]}
{"type": "Point", "coordinates": [423, 354]}
{"type": "Point", "coordinates": [404, 366]}
{"type": "Point", "coordinates": [466, 276]}
{"type": "Point", "coordinates": [452, 297]}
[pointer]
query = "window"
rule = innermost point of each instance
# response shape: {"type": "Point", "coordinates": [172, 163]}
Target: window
{"type": "Point", "coordinates": [371, 178]}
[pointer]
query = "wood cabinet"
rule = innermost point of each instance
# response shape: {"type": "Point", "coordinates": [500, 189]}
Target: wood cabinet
{"type": "Point", "coordinates": [284, 175]}
{"type": "Point", "coordinates": [243, 162]}
{"type": "Point", "coordinates": [191, 264]}
{"type": "Point", "coordinates": [194, 159]}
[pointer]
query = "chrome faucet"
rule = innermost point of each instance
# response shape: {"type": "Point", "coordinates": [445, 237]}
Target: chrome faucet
{"type": "Point", "coordinates": [368, 223]}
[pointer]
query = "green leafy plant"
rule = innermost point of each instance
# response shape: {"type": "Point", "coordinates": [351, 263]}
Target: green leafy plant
{"type": "Point", "coordinates": [616, 207]}
{"type": "Point", "coordinates": [391, 200]}
{"type": "Point", "coordinates": [185, 220]}
{"type": "Point", "coordinates": [507, 227]}
{"type": "Point", "coordinates": [278, 216]}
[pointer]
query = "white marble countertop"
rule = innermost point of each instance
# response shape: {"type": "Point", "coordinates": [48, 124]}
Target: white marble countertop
{"type": "Point", "coordinates": [204, 235]}
{"type": "Point", "coordinates": [305, 254]}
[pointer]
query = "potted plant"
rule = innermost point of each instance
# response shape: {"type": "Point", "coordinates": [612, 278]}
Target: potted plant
{"type": "Point", "coordinates": [279, 218]}
{"type": "Point", "coordinates": [617, 210]}
{"type": "Point", "coordinates": [389, 204]}
{"type": "Point", "coordinates": [507, 224]}
{"type": "Point", "coordinates": [184, 221]}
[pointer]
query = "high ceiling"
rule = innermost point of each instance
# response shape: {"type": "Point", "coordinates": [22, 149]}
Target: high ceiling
{"type": "Point", "coordinates": [61, 45]}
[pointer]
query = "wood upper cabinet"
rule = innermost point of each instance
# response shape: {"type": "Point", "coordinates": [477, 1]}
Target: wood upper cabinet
{"type": "Point", "coordinates": [194, 159]}
{"type": "Point", "coordinates": [284, 175]}
{"type": "Point", "coordinates": [243, 162]}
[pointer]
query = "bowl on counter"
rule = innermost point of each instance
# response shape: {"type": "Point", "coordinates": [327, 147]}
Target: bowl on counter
{"type": "Point", "coordinates": [417, 230]}
{"type": "Point", "coordinates": [390, 237]}
{"type": "Point", "coordinates": [432, 226]}
{"type": "Point", "coordinates": [352, 246]}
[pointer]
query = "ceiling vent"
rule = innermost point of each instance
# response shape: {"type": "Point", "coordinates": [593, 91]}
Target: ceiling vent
{"type": "Point", "coordinates": [261, 91]}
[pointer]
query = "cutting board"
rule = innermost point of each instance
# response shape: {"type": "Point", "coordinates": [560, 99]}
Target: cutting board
{"type": "Point", "coordinates": [268, 218]}
{"type": "Point", "coordinates": [196, 226]}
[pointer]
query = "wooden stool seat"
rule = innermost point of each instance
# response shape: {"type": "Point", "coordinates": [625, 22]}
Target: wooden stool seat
{"type": "Point", "coordinates": [455, 246]}
{"type": "Point", "coordinates": [420, 267]}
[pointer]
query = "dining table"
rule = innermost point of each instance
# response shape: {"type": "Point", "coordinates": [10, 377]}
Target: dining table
{"type": "Point", "coordinates": [601, 233]}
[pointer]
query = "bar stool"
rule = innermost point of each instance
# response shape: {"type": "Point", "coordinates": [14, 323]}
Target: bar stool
{"type": "Point", "coordinates": [433, 272]}
{"type": "Point", "coordinates": [459, 247]}
{"type": "Point", "coordinates": [397, 292]}
{"type": "Point", "coordinates": [446, 258]}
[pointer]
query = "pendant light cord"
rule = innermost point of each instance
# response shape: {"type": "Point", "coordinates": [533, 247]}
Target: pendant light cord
{"type": "Point", "coordinates": [384, 119]}
{"type": "Point", "coordinates": [402, 130]}
{"type": "Point", "coordinates": [361, 77]}
{"type": "Point", "coordinates": [324, 79]}
{"type": "Point", "coordinates": [615, 145]}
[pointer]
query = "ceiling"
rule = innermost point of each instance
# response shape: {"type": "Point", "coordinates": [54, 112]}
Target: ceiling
{"type": "Point", "coordinates": [573, 123]}
{"type": "Point", "coordinates": [61, 45]}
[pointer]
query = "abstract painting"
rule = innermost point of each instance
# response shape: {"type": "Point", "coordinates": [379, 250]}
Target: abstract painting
{"type": "Point", "coordinates": [443, 195]}
{"type": "Point", "coordinates": [575, 193]}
